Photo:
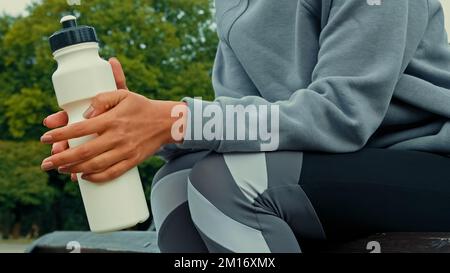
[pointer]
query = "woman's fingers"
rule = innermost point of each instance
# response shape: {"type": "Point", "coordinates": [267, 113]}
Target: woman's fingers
{"type": "Point", "coordinates": [74, 177]}
{"type": "Point", "coordinates": [97, 163]}
{"type": "Point", "coordinates": [100, 104]}
{"type": "Point", "coordinates": [104, 102]}
{"type": "Point", "coordinates": [81, 153]}
{"type": "Point", "coordinates": [56, 120]}
{"type": "Point", "coordinates": [75, 130]}
{"type": "Point", "coordinates": [112, 172]}
{"type": "Point", "coordinates": [59, 147]}
{"type": "Point", "coordinates": [95, 123]}
{"type": "Point", "coordinates": [119, 75]}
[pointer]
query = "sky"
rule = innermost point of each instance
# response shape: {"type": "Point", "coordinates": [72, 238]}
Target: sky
{"type": "Point", "coordinates": [14, 7]}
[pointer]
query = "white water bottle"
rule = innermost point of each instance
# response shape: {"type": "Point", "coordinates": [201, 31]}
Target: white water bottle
{"type": "Point", "coordinates": [82, 74]}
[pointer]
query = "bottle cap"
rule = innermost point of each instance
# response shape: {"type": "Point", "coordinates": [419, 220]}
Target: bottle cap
{"type": "Point", "coordinates": [71, 34]}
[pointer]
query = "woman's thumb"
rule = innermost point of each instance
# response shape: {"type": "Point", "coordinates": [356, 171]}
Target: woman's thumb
{"type": "Point", "coordinates": [119, 75]}
{"type": "Point", "coordinates": [104, 102]}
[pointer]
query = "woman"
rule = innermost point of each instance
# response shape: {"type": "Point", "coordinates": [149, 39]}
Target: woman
{"type": "Point", "coordinates": [353, 86]}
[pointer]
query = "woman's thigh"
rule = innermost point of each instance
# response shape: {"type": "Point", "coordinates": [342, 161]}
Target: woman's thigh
{"type": "Point", "coordinates": [378, 190]}
{"type": "Point", "coordinates": [169, 188]}
{"type": "Point", "coordinates": [373, 190]}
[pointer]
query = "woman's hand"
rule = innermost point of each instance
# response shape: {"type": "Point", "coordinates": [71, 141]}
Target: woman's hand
{"type": "Point", "coordinates": [130, 128]}
{"type": "Point", "coordinates": [61, 119]}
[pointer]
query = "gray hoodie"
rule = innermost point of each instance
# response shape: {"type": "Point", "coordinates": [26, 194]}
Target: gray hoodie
{"type": "Point", "coordinates": [344, 74]}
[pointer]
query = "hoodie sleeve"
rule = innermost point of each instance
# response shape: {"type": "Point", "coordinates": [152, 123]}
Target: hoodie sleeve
{"type": "Point", "coordinates": [361, 57]}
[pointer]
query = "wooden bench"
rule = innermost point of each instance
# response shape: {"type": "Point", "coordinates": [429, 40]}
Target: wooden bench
{"type": "Point", "coordinates": [145, 242]}
{"type": "Point", "coordinates": [88, 242]}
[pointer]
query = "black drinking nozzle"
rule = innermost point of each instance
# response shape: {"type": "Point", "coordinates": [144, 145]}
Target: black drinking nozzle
{"type": "Point", "coordinates": [71, 34]}
{"type": "Point", "coordinates": [69, 21]}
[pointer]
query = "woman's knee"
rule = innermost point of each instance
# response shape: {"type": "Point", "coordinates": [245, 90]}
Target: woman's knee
{"type": "Point", "coordinates": [169, 187]}
{"type": "Point", "coordinates": [184, 162]}
{"type": "Point", "coordinates": [234, 188]}
{"type": "Point", "coordinates": [221, 206]}
{"type": "Point", "coordinates": [223, 178]}
{"type": "Point", "coordinates": [216, 189]}
{"type": "Point", "coordinates": [205, 174]}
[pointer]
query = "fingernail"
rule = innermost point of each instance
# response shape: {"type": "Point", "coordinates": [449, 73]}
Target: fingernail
{"type": "Point", "coordinates": [63, 170]}
{"type": "Point", "coordinates": [87, 114]}
{"type": "Point", "coordinates": [56, 149]}
{"type": "Point", "coordinates": [47, 165]}
{"type": "Point", "coordinates": [45, 122]}
{"type": "Point", "coordinates": [46, 139]}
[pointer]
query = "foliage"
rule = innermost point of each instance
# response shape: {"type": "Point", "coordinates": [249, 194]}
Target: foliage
{"type": "Point", "coordinates": [21, 179]}
{"type": "Point", "coordinates": [167, 49]}
{"type": "Point", "coordinates": [23, 186]}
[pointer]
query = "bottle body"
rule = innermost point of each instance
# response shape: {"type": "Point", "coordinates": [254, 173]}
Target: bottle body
{"type": "Point", "coordinates": [81, 75]}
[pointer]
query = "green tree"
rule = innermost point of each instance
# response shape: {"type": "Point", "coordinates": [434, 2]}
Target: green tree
{"type": "Point", "coordinates": [166, 48]}
{"type": "Point", "coordinates": [23, 111]}
{"type": "Point", "coordinates": [22, 183]}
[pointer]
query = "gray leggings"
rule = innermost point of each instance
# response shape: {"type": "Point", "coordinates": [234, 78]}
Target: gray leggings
{"type": "Point", "coordinates": [269, 202]}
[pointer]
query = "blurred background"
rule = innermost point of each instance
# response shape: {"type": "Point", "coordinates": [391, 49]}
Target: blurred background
{"type": "Point", "coordinates": [167, 49]}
